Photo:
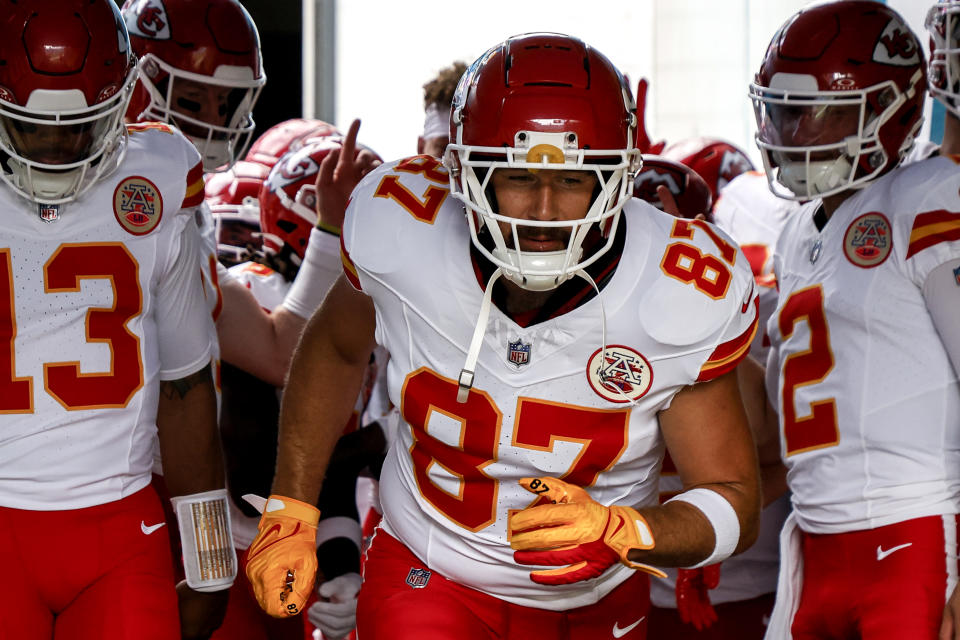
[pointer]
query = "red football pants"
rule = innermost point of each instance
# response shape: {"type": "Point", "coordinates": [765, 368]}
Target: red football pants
{"type": "Point", "coordinates": [391, 609]}
{"type": "Point", "coordinates": [741, 620]}
{"type": "Point", "coordinates": [85, 574]}
{"type": "Point", "coordinates": [889, 583]}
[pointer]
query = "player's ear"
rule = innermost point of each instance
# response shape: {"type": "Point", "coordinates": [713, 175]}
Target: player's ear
{"type": "Point", "coordinates": [421, 145]}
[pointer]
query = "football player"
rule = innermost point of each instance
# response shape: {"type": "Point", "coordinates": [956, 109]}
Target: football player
{"type": "Point", "coordinates": [864, 338]}
{"type": "Point", "coordinates": [286, 207]}
{"type": "Point", "coordinates": [437, 96]}
{"type": "Point", "coordinates": [943, 77]}
{"type": "Point", "coordinates": [108, 342]}
{"type": "Point", "coordinates": [544, 351]}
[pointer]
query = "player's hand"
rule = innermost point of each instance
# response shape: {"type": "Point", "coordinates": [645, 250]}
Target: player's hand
{"type": "Point", "coordinates": [281, 561]}
{"type": "Point", "coordinates": [693, 599]}
{"type": "Point", "coordinates": [574, 533]}
{"type": "Point", "coordinates": [201, 613]}
{"type": "Point", "coordinates": [669, 204]}
{"type": "Point", "coordinates": [643, 139]}
{"type": "Point", "coordinates": [335, 614]}
{"type": "Point", "coordinates": [950, 624]}
{"type": "Point", "coordinates": [339, 173]}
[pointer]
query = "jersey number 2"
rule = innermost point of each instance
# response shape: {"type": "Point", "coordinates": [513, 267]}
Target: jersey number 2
{"type": "Point", "coordinates": [819, 428]}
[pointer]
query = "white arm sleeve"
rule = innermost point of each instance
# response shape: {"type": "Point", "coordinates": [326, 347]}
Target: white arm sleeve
{"type": "Point", "coordinates": [184, 323]}
{"type": "Point", "coordinates": [941, 292]}
{"type": "Point", "coordinates": [321, 267]}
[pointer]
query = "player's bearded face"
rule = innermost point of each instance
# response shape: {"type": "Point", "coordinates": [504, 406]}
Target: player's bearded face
{"type": "Point", "coordinates": [547, 195]}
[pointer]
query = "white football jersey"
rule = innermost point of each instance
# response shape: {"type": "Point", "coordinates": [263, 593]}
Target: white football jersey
{"type": "Point", "coordinates": [267, 286]}
{"type": "Point", "coordinates": [869, 403]}
{"type": "Point", "coordinates": [679, 308]}
{"type": "Point", "coordinates": [100, 304]}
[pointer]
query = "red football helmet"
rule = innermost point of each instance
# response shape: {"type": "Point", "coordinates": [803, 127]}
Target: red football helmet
{"type": "Point", "coordinates": [943, 23]}
{"type": "Point", "coordinates": [288, 198]}
{"type": "Point", "coordinates": [200, 69]}
{"type": "Point", "coordinates": [542, 101]}
{"type": "Point", "coordinates": [838, 98]}
{"type": "Point", "coordinates": [232, 198]}
{"type": "Point", "coordinates": [288, 135]}
{"type": "Point", "coordinates": [716, 161]}
{"type": "Point", "coordinates": [691, 192]}
{"type": "Point", "coordinates": [65, 81]}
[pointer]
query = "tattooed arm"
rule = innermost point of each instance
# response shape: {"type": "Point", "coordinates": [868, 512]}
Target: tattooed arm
{"type": "Point", "coordinates": [192, 463]}
{"type": "Point", "coordinates": [189, 439]}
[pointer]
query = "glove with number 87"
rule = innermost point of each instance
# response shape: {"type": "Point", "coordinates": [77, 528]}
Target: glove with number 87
{"type": "Point", "coordinates": [282, 561]}
{"type": "Point", "coordinates": [575, 533]}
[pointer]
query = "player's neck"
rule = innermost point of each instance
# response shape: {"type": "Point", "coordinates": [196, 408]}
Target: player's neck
{"type": "Point", "coordinates": [832, 203]}
{"type": "Point", "coordinates": [951, 135]}
{"type": "Point", "coordinates": [520, 300]}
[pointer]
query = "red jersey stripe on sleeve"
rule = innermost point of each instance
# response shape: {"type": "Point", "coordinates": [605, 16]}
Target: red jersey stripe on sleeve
{"type": "Point", "coordinates": [349, 269]}
{"type": "Point", "coordinates": [729, 354]}
{"type": "Point", "coordinates": [195, 193]}
{"type": "Point", "coordinates": [931, 228]}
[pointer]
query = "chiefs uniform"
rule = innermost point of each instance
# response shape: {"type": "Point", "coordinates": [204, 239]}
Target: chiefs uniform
{"type": "Point", "coordinates": [99, 306]}
{"type": "Point", "coordinates": [867, 397]}
{"type": "Point", "coordinates": [679, 308]}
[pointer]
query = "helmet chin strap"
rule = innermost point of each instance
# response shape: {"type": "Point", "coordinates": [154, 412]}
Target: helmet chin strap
{"type": "Point", "coordinates": [465, 381]}
{"type": "Point", "coordinates": [467, 373]}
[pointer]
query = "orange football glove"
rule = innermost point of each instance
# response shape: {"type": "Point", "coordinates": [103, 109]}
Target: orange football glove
{"type": "Point", "coordinates": [282, 560]}
{"type": "Point", "coordinates": [693, 601]}
{"type": "Point", "coordinates": [577, 534]}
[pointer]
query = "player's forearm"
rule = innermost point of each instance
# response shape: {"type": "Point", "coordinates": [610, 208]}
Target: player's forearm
{"type": "Point", "coordinates": [313, 413]}
{"type": "Point", "coordinates": [189, 438]}
{"type": "Point", "coordinates": [253, 340]}
{"type": "Point", "coordinates": [683, 534]}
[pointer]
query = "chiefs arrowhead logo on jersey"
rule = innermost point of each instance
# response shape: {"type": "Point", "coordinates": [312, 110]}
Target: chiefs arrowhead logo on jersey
{"type": "Point", "coordinates": [619, 374]}
{"type": "Point", "coordinates": [137, 205]}
{"type": "Point", "coordinates": [868, 240]}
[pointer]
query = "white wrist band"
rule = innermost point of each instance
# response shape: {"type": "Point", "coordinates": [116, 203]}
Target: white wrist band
{"type": "Point", "coordinates": [209, 559]}
{"type": "Point", "coordinates": [721, 516]}
{"type": "Point", "coordinates": [320, 268]}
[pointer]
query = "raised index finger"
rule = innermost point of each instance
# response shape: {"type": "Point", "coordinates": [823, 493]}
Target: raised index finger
{"type": "Point", "coordinates": [350, 142]}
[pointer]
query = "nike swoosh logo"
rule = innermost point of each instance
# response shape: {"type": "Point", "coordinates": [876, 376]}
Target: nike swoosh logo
{"type": "Point", "coordinates": [881, 553]}
{"type": "Point", "coordinates": [148, 530]}
{"type": "Point", "coordinates": [619, 633]}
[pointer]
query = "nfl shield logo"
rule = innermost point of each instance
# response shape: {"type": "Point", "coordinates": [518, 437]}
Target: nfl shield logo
{"type": "Point", "coordinates": [48, 212]}
{"type": "Point", "coordinates": [418, 578]}
{"type": "Point", "coordinates": [956, 275]}
{"type": "Point", "coordinates": [518, 353]}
